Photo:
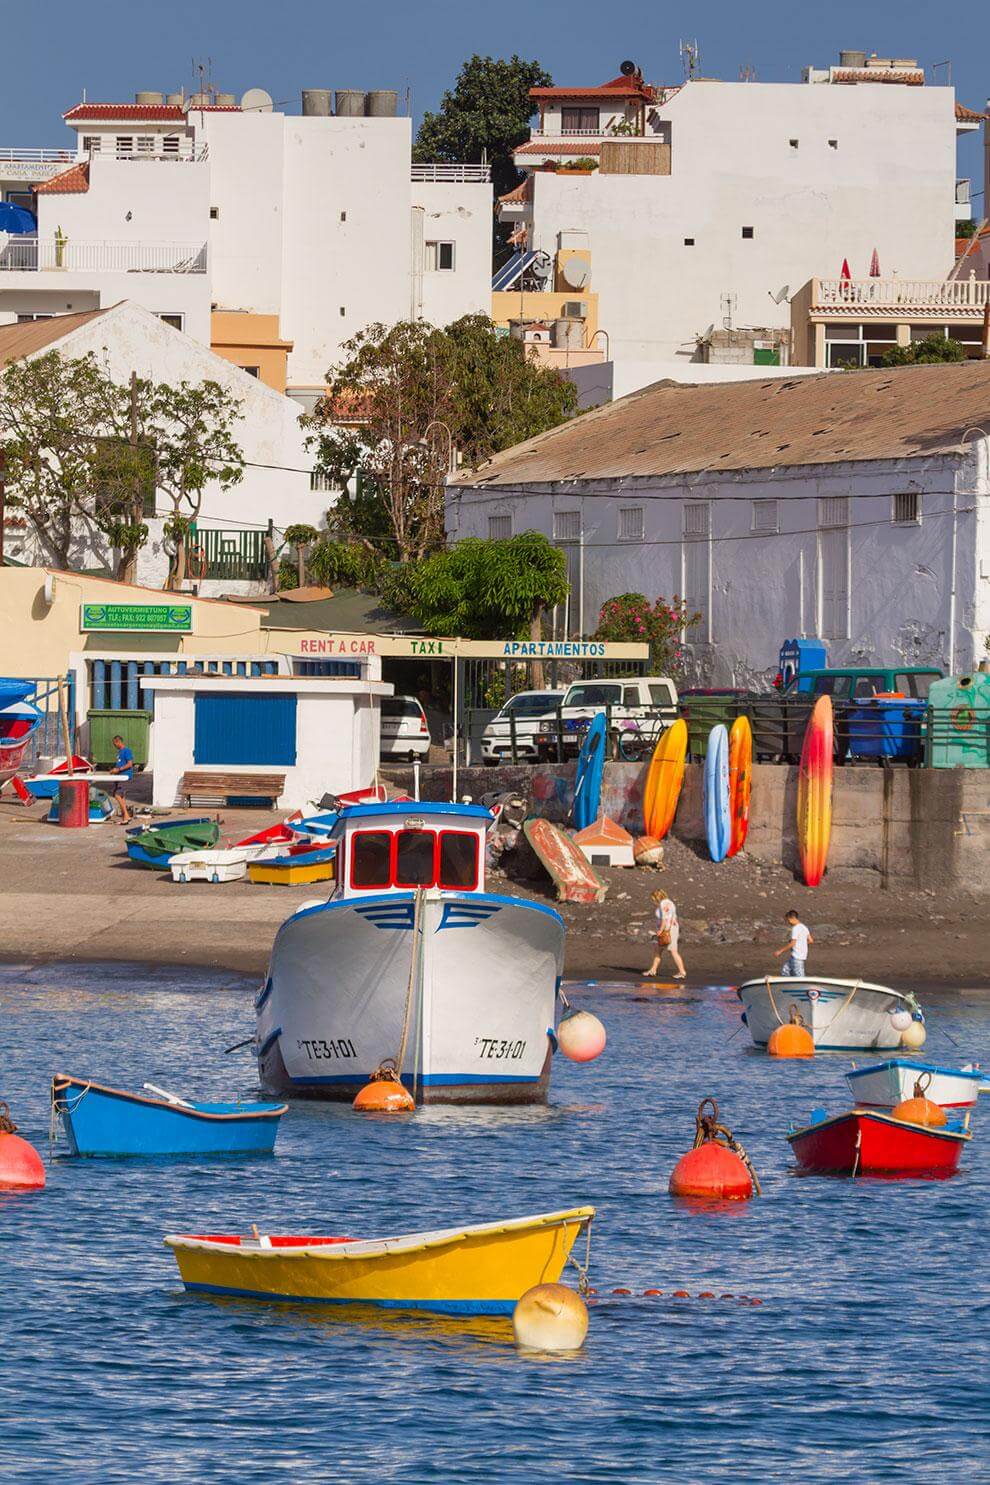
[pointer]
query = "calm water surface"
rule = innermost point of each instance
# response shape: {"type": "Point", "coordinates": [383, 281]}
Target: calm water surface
{"type": "Point", "coordinates": [865, 1361]}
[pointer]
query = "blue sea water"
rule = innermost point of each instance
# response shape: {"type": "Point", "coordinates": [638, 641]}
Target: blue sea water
{"type": "Point", "coordinates": [865, 1361]}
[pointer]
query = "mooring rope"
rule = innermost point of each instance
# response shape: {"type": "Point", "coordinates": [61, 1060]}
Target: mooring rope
{"type": "Point", "coordinates": [582, 1268]}
{"type": "Point", "coordinates": [708, 1131]}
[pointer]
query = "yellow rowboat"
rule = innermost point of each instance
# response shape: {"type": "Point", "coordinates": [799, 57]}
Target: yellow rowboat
{"type": "Point", "coordinates": [479, 1270]}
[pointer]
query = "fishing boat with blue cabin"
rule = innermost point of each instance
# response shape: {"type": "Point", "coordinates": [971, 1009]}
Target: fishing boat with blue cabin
{"type": "Point", "coordinates": [102, 1121]}
{"type": "Point", "coordinates": [411, 958]}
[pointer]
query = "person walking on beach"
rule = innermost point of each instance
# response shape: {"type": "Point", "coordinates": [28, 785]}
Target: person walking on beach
{"type": "Point", "coordinates": [796, 947]}
{"type": "Point", "coordinates": [124, 769]}
{"type": "Point", "coordinates": [668, 934]}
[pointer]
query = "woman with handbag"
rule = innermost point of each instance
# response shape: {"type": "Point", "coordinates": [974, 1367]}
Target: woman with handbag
{"type": "Point", "coordinates": [668, 934]}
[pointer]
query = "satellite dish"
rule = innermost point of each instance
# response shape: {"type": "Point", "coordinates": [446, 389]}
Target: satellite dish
{"type": "Point", "coordinates": [629, 69]}
{"type": "Point", "coordinates": [575, 272]}
{"type": "Point", "coordinates": [256, 100]}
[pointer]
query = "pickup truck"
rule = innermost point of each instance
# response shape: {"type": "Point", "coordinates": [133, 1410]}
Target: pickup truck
{"type": "Point", "coordinates": [638, 709]}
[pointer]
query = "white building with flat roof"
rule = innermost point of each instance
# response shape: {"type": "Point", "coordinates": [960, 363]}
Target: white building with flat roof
{"type": "Point", "coordinates": [698, 211]}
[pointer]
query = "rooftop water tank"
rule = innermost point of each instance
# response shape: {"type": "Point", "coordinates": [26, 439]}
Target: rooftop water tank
{"type": "Point", "coordinates": [349, 103]}
{"type": "Point", "coordinates": [226, 100]}
{"type": "Point", "coordinates": [316, 103]}
{"type": "Point", "coordinates": [175, 100]}
{"type": "Point", "coordinates": [199, 100]}
{"type": "Point", "coordinates": [381, 103]}
{"type": "Point", "coordinates": [149, 100]}
{"type": "Point", "coordinates": [852, 59]}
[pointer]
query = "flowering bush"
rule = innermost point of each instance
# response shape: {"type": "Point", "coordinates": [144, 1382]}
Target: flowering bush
{"type": "Point", "coordinates": [662, 625]}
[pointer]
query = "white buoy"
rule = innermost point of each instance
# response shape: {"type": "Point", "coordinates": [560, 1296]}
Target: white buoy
{"type": "Point", "coordinates": [901, 1019]}
{"type": "Point", "coordinates": [914, 1036]}
{"type": "Point", "coordinates": [550, 1317]}
{"type": "Point", "coordinates": [581, 1036]}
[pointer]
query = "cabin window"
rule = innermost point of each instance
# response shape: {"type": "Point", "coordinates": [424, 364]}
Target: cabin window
{"type": "Point", "coordinates": [415, 858]}
{"type": "Point", "coordinates": [371, 861]}
{"type": "Point", "coordinates": [458, 859]}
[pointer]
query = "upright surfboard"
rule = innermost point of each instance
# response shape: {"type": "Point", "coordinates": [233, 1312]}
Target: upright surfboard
{"type": "Point", "coordinates": [664, 779]}
{"type": "Point", "coordinates": [718, 830]}
{"type": "Point", "coordinates": [590, 768]}
{"type": "Point", "coordinates": [740, 782]}
{"type": "Point", "coordinates": [814, 801]}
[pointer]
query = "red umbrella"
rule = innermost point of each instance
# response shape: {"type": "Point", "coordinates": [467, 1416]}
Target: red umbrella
{"type": "Point", "coordinates": [845, 269]}
{"type": "Point", "coordinates": [875, 265]}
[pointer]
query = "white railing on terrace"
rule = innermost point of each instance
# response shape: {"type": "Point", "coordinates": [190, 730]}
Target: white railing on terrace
{"type": "Point", "coordinates": [27, 254]}
{"type": "Point", "coordinates": [38, 156]}
{"type": "Point", "coordinates": [459, 173]}
{"type": "Point", "coordinates": [187, 150]}
{"type": "Point", "coordinates": [571, 134]}
{"type": "Point", "coordinates": [857, 294]}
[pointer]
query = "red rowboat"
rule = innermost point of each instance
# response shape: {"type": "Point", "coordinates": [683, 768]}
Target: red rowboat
{"type": "Point", "coordinates": [865, 1142]}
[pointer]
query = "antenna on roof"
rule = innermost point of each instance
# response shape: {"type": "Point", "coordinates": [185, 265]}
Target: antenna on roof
{"type": "Point", "coordinates": [690, 58]}
{"type": "Point", "coordinates": [747, 73]}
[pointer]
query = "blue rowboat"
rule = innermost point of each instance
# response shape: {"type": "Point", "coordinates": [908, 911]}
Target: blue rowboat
{"type": "Point", "coordinates": [110, 1122]}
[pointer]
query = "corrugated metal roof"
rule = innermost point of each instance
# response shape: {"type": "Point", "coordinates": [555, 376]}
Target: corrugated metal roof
{"type": "Point", "coordinates": [670, 429]}
{"type": "Point", "coordinates": [18, 341]}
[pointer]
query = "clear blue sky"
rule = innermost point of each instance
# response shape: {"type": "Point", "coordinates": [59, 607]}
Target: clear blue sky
{"type": "Point", "coordinates": [112, 48]}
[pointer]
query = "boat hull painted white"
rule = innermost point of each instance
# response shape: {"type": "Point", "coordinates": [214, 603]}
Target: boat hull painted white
{"type": "Point", "coordinates": [885, 1084]}
{"type": "Point", "coordinates": [840, 1014]}
{"type": "Point", "coordinates": [335, 1000]}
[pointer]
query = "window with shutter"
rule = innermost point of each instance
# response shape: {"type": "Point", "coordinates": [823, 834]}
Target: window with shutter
{"type": "Point", "coordinates": [499, 528]}
{"type": "Point", "coordinates": [766, 516]}
{"type": "Point", "coordinates": [567, 525]}
{"type": "Point", "coordinates": [631, 523]}
{"type": "Point", "coordinates": [907, 508]}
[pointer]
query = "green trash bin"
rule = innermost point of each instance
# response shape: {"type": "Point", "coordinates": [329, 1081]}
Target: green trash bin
{"type": "Point", "coordinates": [704, 709]}
{"type": "Point", "coordinates": [133, 727]}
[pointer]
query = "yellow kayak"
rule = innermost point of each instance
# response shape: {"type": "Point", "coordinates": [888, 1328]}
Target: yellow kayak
{"type": "Point", "coordinates": [664, 779]}
{"type": "Point", "coordinates": [479, 1270]}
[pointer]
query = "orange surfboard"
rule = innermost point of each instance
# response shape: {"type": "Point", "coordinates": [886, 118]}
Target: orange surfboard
{"type": "Point", "coordinates": [814, 803]}
{"type": "Point", "coordinates": [740, 781]}
{"type": "Point", "coordinates": [664, 779]}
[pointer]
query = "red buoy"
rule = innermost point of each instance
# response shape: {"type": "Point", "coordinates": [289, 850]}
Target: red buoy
{"type": "Point", "coordinates": [21, 1167]}
{"type": "Point", "coordinates": [717, 1168]}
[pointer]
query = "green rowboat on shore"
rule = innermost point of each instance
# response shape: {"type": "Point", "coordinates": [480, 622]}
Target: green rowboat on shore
{"type": "Point", "coordinates": [154, 846]}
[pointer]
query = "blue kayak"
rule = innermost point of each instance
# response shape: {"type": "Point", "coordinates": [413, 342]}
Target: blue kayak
{"type": "Point", "coordinates": [718, 826]}
{"type": "Point", "coordinates": [104, 1121]}
{"type": "Point", "coordinates": [590, 768]}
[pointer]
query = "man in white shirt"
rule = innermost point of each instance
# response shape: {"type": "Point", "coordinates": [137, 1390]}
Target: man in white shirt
{"type": "Point", "coordinates": [796, 948]}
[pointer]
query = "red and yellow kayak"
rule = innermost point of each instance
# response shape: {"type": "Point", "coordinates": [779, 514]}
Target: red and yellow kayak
{"type": "Point", "coordinates": [814, 802]}
{"type": "Point", "coordinates": [740, 781]}
{"type": "Point", "coordinates": [664, 780]}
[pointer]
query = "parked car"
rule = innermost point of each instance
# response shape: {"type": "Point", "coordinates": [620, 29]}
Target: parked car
{"type": "Point", "coordinates": [638, 705]}
{"type": "Point", "coordinates": [857, 682]}
{"type": "Point", "coordinates": [518, 720]}
{"type": "Point", "coordinates": [404, 731]}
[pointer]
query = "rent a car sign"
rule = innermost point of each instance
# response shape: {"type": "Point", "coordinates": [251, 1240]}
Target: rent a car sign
{"type": "Point", "coordinates": [356, 645]}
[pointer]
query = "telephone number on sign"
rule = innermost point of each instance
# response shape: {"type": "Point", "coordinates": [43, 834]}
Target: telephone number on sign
{"type": "Point", "coordinates": [501, 1051]}
{"type": "Point", "coordinates": [321, 1049]}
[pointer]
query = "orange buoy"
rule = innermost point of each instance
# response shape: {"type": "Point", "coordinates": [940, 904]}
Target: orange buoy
{"type": "Point", "coordinates": [581, 1036]}
{"type": "Point", "coordinates": [919, 1109]}
{"type": "Point", "coordinates": [384, 1092]}
{"type": "Point", "coordinates": [717, 1168]}
{"type": "Point", "coordinates": [21, 1167]}
{"type": "Point", "coordinates": [792, 1039]}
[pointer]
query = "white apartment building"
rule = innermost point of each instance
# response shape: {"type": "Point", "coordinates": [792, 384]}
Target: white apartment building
{"type": "Point", "coordinates": [699, 211]}
{"type": "Point", "coordinates": [275, 237]}
{"type": "Point", "coordinates": [853, 506]}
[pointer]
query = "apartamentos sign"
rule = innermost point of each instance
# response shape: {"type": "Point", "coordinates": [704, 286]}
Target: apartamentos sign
{"type": "Point", "coordinates": [157, 618]}
{"type": "Point", "coordinates": [355, 646]}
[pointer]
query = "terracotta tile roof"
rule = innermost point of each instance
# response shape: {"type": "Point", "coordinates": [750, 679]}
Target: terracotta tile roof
{"type": "Point", "coordinates": [72, 182]}
{"type": "Point", "coordinates": [20, 340]}
{"type": "Point", "coordinates": [165, 111]}
{"type": "Point", "coordinates": [912, 77]}
{"type": "Point", "coordinates": [579, 147]}
{"type": "Point", "coordinates": [670, 430]}
{"type": "Point", "coordinates": [968, 115]}
{"type": "Point", "coordinates": [518, 194]}
{"type": "Point", "coordinates": [619, 87]}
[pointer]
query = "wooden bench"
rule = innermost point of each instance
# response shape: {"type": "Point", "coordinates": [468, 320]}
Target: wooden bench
{"type": "Point", "coordinates": [202, 787]}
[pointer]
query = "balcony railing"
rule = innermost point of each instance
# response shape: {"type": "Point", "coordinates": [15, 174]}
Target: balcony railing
{"type": "Point", "coordinates": [461, 174]}
{"type": "Point", "coordinates": [28, 254]}
{"type": "Point", "coordinates": [37, 156]}
{"type": "Point", "coordinates": [186, 150]}
{"type": "Point", "coordinates": [904, 295]}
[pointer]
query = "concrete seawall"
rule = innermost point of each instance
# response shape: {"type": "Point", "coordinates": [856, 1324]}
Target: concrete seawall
{"type": "Point", "coordinates": [915, 827]}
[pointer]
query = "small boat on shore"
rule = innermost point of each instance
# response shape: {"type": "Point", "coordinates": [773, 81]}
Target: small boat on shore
{"type": "Point", "coordinates": [155, 845]}
{"type": "Point", "coordinates": [840, 1014]}
{"type": "Point", "coordinates": [885, 1084]}
{"type": "Point", "coordinates": [866, 1142]}
{"type": "Point", "coordinates": [306, 861]}
{"type": "Point", "coordinates": [103, 1121]}
{"type": "Point", "coordinates": [224, 864]}
{"type": "Point", "coordinates": [480, 1270]}
{"type": "Point", "coordinates": [19, 721]}
{"type": "Point", "coordinates": [100, 807]}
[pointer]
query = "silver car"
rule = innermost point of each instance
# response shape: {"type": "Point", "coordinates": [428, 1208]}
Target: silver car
{"type": "Point", "coordinates": [520, 716]}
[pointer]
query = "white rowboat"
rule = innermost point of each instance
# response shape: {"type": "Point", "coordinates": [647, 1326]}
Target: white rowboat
{"type": "Point", "coordinates": [840, 1014]}
{"type": "Point", "coordinates": [882, 1085]}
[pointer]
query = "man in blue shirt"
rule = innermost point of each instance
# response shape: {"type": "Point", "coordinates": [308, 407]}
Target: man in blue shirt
{"type": "Point", "coordinates": [124, 769]}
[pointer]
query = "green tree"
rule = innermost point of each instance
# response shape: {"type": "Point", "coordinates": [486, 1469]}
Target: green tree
{"type": "Point", "coordinates": [412, 395]}
{"type": "Point", "coordinates": [483, 589]}
{"type": "Point", "coordinates": [487, 112]}
{"type": "Point", "coordinates": [933, 350]}
{"type": "Point", "coordinates": [661, 625]}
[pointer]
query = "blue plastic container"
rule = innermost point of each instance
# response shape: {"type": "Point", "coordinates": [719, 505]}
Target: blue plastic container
{"type": "Point", "coordinates": [886, 729]}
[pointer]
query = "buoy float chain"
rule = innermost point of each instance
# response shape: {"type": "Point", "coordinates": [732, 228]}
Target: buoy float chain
{"type": "Point", "coordinates": [717, 1168]}
{"type": "Point", "coordinates": [385, 1092]}
{"type": "Point", "coordinates": [743, 1299]}
{"type": "Point", "coordinates": [792, 1039]}
{"type": "Point", "coordinates": [21, 1167]}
